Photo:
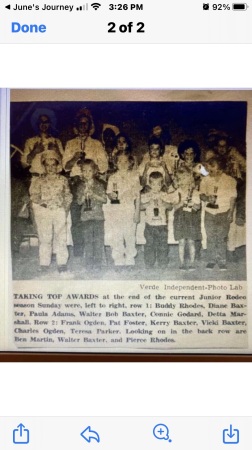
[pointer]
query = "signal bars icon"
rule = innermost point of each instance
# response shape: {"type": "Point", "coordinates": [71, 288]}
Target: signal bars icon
{"type": "Point", "coordinates": [83, 7]}
{"type": "Point", "coordinates": [96, 5]}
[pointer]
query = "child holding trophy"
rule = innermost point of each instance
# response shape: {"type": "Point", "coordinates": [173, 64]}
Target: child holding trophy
{"type": "Point", "coordinates": [218, 191]}
{"type": "Point", "coordinates": [124, 194]}
{"type": "Point", "coordinates": [51, 199]}
{"type": "Point", "coordinates": [154, 163]}
{"type": "Point", "coordinates": [91, 195]}
{"type": "Point", "coordinates": [187, 220]}
{"type": "Point", "coordinates": [155, 202]}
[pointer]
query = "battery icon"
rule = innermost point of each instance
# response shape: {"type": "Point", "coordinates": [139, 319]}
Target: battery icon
{"type": "Point", "coordinates": [239, 6]}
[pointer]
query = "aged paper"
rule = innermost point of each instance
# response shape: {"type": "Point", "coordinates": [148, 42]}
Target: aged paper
{"type": "Point", "coordinates": [120, 241]}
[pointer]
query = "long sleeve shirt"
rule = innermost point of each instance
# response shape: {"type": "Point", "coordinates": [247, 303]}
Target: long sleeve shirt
{"type": "Point", "coordinates": [92, 148]}
{"type": "Point", "coordinates": [155, 205]}
{"type": "Point", "coordinates": [95, 193]}
{"type": "Point", "coordinates": [51, 191]}
{"type": "Point", "coordinates": [224, 188]}
{"type": "Point", "coordinates": [127, 185]}
{"type": "Point", "coordinates": [35, 164]}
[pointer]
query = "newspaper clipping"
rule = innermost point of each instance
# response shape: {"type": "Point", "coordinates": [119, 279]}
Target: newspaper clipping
{"type": "Point", "coordinates": [128, 220]}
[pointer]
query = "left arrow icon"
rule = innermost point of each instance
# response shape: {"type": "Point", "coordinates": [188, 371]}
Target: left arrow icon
{"type": "Point", "coordinates": [89, 434]}
{"type": "Point", "coordinates": [8, 6]}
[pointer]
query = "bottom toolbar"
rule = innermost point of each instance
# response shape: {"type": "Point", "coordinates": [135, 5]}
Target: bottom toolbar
{"type": "Point", "coordinates": [105, 433]}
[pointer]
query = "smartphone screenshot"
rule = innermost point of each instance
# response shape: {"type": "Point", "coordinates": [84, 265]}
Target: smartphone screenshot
{"type": "Point", "coordinates": [125, 310]}
{"type": "Point", "coordinates": [102, 256]}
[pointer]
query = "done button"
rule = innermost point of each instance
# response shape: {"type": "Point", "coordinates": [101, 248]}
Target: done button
{"type": "Point", "coordinates": [16, 27]}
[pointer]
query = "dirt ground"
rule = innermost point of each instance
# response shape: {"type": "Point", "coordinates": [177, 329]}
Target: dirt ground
{"type": "Point", "coordinates": [25, 266]}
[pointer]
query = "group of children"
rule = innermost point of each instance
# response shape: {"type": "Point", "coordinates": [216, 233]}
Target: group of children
{"type": "Point", "coordinates": [147, 193]}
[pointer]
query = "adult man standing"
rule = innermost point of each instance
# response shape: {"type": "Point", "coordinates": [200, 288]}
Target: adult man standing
{"type": "Point", "coordinates": [42, 120]}
{"type": "Point", "coordinates": [83, 146]}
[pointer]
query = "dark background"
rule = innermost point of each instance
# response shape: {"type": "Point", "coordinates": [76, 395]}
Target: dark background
{"type": "Point", "coordinates": [185, 120]}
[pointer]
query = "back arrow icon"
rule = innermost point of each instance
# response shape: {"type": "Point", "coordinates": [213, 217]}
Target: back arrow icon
{"type": "Point", "coordinates": [89, 434]}
{"type": "Point", "coordinates": [8, 6]}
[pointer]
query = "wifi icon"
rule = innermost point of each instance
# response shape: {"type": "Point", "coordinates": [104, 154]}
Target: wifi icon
{"type": "Point", "coordinates": [95, 5]}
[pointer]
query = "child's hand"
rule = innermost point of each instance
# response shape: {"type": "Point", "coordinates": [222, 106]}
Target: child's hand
{"type": "Point", "coordinates": [211, 198]}
{"type": "Point", "coordinates": [67, 210]}
{"type": "Point", "coordinates": [169, 206]}
{"type": "Point", "coordinates": [155, 163]}
{"type": "Point", "coordinates": [204, 198]}
{"type": "Point", "coordinates": [113, 196]}
{"type": "Point", "coordinates": [239, 221]}
{"type": "Point", "coordinates": [175, 183]}
{"type": "Point", "coordinates": [147, 166]}
{"type": "Point", "coordinates": [144, 205]}
{"type": "Point", "coordinates": [178, 205]}
{"type": "Point", "coordinates": [77, 156]}
{"type": "Point", "coordinates": [94, 196]}
{"type": "Point", "coordinates": [196, 206]}
{"type": "Point", "coordinates": [38, 148]}
{"type": "Point", "coordinates": [25, 199]}
{"type": "Point", "coordinates": [87, 191]}
{"type": "Point", "coordinates": [136, 217]}
{"type": "Point", "coordinates": [230, 216]}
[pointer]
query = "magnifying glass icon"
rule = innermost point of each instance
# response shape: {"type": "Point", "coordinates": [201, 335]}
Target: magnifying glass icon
{"type": "Point", "coordinates": [161, 431]}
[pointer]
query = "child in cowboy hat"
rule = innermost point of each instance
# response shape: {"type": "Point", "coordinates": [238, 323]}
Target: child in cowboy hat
{"type": "Point", "coordinates": [51, 199]}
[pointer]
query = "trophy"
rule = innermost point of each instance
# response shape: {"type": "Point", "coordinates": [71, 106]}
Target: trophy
{"type": "Point", "coordinates": [156, 209]}
{"type": "Point", "coordinates": [115, 201]}
{"type": "Point", "coordinates": [176, 165]}
{"type": "Point", "coordinates": [213, 202]}
{"type": "Point", "coordinates": [188, 201]}
{"type": "Point", "coordinates": [110, 161]}
{"type": "Point", "coordinates": [87, 202]}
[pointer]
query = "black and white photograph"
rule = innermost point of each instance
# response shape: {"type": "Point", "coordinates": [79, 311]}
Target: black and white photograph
{"type": "Point", "coordinates": [128, 220]}
{"type": "Point", "coordinates": [128, 189]}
